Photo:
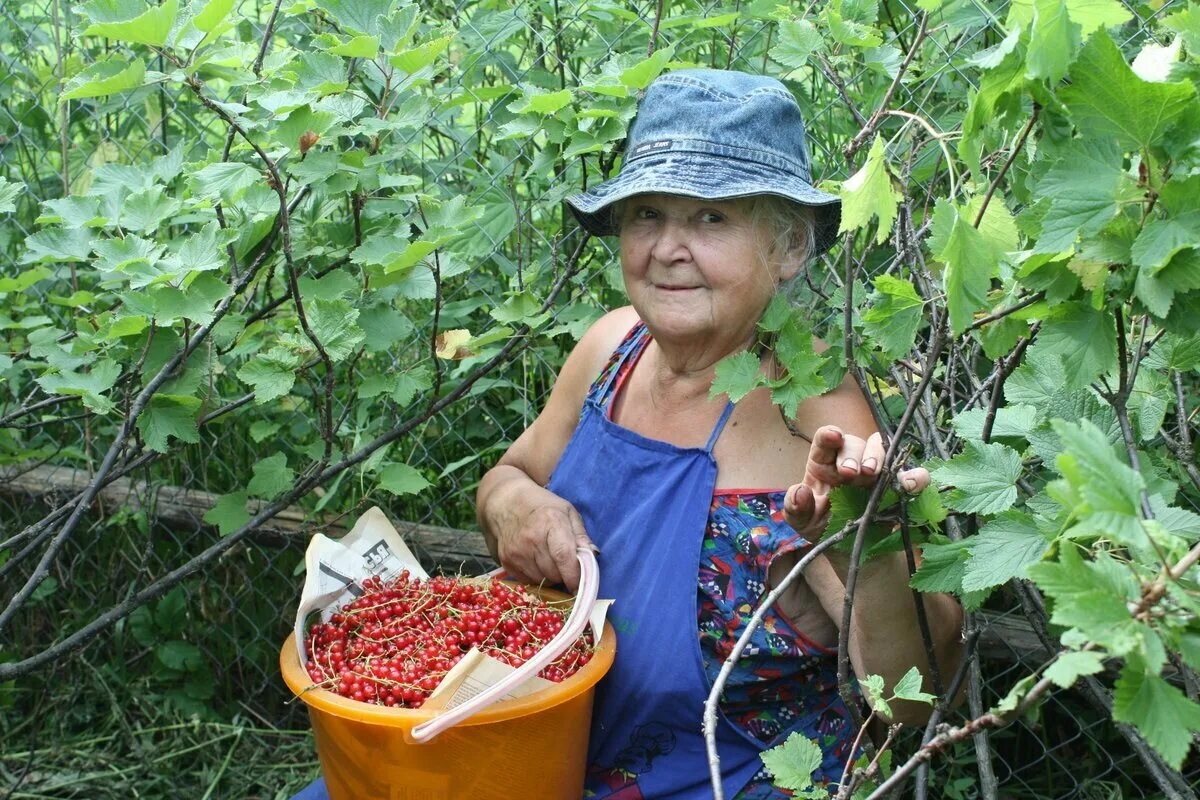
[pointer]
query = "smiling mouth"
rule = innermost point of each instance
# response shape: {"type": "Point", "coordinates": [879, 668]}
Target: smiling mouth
{"type": "Point", "coordinates": [676, 288]}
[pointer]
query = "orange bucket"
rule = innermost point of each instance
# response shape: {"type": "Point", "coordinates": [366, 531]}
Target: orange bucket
{"type": "Point", "coordinates": [529, 747]}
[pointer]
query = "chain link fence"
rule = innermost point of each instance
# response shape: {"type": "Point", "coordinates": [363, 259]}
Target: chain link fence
{"type": "Point", "coordinates": [240, 609]}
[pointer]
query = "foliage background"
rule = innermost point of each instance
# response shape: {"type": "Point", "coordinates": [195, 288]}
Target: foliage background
{"type": "Point", "coordinates": [385, 341]}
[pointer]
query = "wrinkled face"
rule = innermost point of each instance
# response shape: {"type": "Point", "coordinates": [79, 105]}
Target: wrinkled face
{"type": "Point", "coordinates": [695, 269]}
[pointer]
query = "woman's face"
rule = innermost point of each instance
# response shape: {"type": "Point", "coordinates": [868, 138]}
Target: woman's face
{"type": "Point", "coordinates": [694, 269]}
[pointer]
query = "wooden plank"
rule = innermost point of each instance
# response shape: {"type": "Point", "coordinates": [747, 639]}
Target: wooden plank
{"type": "Point", "coordinates": [179, 506]}
{"type": "Point", "coordinates": [1005, 637]}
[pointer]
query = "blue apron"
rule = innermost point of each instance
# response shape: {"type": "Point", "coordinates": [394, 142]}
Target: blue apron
{"type": "Point", "coordinates": [645, 503]}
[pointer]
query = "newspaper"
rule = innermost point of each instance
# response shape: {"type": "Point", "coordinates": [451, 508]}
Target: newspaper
{"type": "Point", "coordinates": [335, 571]}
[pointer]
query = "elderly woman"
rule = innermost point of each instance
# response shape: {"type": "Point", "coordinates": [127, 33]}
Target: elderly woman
{"type": "Point", "coordinates": [698, 506]}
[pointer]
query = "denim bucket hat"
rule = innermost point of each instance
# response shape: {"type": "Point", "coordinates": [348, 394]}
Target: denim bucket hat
{"type": "Point", "coordinates": [715, 135]}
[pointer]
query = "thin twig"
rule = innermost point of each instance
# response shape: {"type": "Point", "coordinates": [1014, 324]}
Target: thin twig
{"type": "Point", "coordinates": [995, 184]}
{"type": "Point", "coordinates": [868, 129]}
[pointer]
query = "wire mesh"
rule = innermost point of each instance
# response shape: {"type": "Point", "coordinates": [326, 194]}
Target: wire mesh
{"type": "Point", "coordinates": [240, 609]}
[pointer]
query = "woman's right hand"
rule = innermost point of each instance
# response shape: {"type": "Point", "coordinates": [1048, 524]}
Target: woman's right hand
{"type": "Point", "coordinates": [537, 534]}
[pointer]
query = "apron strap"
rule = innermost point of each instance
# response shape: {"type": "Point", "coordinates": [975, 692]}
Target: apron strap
{"type": "Point", "coordinates": [636, 341]}
{"type": "Point", "coordinates": [720, 426]}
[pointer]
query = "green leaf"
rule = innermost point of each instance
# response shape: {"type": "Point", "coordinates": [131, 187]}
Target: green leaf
{"type": "Point", "coordinates": [1051, 41]}
{"type": "Point", "coordinates": [180, 656]}
{"type": "Point", "coordinates": [519, 308]}
{"type": "Point", "coordinates": [1106, 98]}
{"type": "Point", "coordinates": [104, 78]}
{"type": "Point", "coordinates": [129, 325]}
{"type": "Point", "coordinates": [984, 478]}
{"type": "Point", "coordinates": [141, 626]}
{"type": "Point", "coordinates": [970, 264]}
{"type": "Point", "coordinates": [229, 513]}
{"type": "Point", "coordinates": [59, 244]}
{"type": "Point", "coordinates": [943, 563]}
{"type": "Point", "coordinates": [1161, 239]}
{"type": "Point", "coordinates": [536, 101]}
{"type": "Point", "coordinates": [1002, 550]}
{"type": "Point", "coordinates": [1090, 15]}
{"type": "Point", "coordinates": [793, 763]}
{"type": "Point", "coordinates": [361, 16]}
{"type": "Point", "coordinates": [131, 20]}
{"type": "Point", "coordinates": [195, 302]}
{"type": "Point", "coordinates": [1013, 421]}
{"type": "Point", "coordinates": [1084, 188]}
{"type": "Point", "coordinates": [1035, 382]}
{"type": "Point", "coordinates": [383, 327]}
{"type": "Point", "coordinates": [89, 386]}
{"type": "Point", "coordinates": [225, 180]}
{"type": "Point", "coordinates": [848, 31]}
{"type": "Point", "coordinates": [401, 479]}
{"type": "Point", "coordinates": [869, 193]}
{"type": "Point", "coordinates": [25, 279]}
{"type": "Point", "coordinates": [415, 59]}
{"type": "Point", "coordinates": [1091, 464]}
{"type": "Point", "coordinates": [1070, 667]}
{"type": "Point", "coordinates": [1186, 22]}
{"type": "Point", "coordinates": [1176, 352]}
{"type": "Point", "coordinates": [909, 688]}
{"type": "Point", "coordinates": [271, 477]}
{"type": "Point", "coordinates": [640, 75]}
{"type": "Point", "coordinates": [166, 416]}
{"type": "Point", "coordinates": [261, 430]}
{"type": "Point", "coordinates": [872, 686]}
{"type": "Point", "coordinates": [1161, 712]}
{"type": "Point", "coordinates": [8, 193]}
{"type": "Point", "coordinates": [270, 374]}
{"type": "Point", "coordinates": [737, 376]}
{"type": "Point", "coordinates": [895, 315]}
{"type": "Point", "coordinates": [804, 370]}
{"type": "Point", "coordinates": [1083, 337]}
{"type": "Point", "coordinates": [357, 47]}
{"type": "Point", "coordinates": [212, 15]}
{"type": "Point", "coordinates": [797, 41]}
{"type": "Point", "coordinates": [334, 323]}
{"type": "Point", "coordinates": [1091, 597]}
{"type": "Point", "coordinates": [927, 508]}
{"type": "Point", "coordinates": [144, 211]}
{"type": "Point", "coordinates": [170, 613]}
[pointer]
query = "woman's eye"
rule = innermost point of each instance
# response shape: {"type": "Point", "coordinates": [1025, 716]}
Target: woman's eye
{"type": "Point", "coordinates": [645, 213]}
{"type": "Point", "coordinates": [712, 216]}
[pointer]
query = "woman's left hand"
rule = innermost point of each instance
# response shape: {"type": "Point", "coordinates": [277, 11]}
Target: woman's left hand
{"type": "Point", "coordinates": [836, 459]}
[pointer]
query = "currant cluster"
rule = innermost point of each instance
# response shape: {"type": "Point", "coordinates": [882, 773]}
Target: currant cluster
{"type": "Point", "coordinates": [393, 644]}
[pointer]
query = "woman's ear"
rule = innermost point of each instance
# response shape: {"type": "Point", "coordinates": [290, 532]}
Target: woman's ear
{"type": "Point", "coordinates": [790, 266]}
{"type": "Point", "coordinates": [794, 257]}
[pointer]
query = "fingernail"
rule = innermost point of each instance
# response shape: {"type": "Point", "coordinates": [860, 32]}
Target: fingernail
{"type": "Point", "coordinates": [909, 483]}
{"type": "Point", "coordinates": [869, 465]}
{"type": "Point", "coordinates": [850, 463]}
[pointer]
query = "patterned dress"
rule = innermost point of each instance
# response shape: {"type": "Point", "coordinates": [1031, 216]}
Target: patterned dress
{"type": "Point", "coordinates": [784, 682]}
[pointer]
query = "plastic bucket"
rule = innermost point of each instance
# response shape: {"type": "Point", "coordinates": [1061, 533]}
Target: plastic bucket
{"type": "Point", "coordinates": [531, 747]}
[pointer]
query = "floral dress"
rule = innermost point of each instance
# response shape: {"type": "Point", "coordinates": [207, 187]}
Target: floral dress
{"type": "Point", "coordinates": [784, 682]}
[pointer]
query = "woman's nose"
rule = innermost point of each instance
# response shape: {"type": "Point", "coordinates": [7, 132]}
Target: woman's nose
{"type": "Point", "coordinates": [670, 245]}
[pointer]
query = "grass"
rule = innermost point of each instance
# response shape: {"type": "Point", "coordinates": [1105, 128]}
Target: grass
{"type": "Point", "coordinates": [87, 738]}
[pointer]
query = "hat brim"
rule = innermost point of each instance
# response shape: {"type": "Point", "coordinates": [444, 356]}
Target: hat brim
{"type": "Point", "coordinates": [707, 177]}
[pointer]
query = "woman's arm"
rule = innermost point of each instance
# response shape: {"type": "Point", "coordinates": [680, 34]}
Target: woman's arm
{"type": "Point", "coordinates": [885, 636]}
{"type": "Point", "coordinates": [530, 531]}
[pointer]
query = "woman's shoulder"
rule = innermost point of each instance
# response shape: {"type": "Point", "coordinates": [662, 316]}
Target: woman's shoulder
{"type": "Point", "coordinates": [603, 337]}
